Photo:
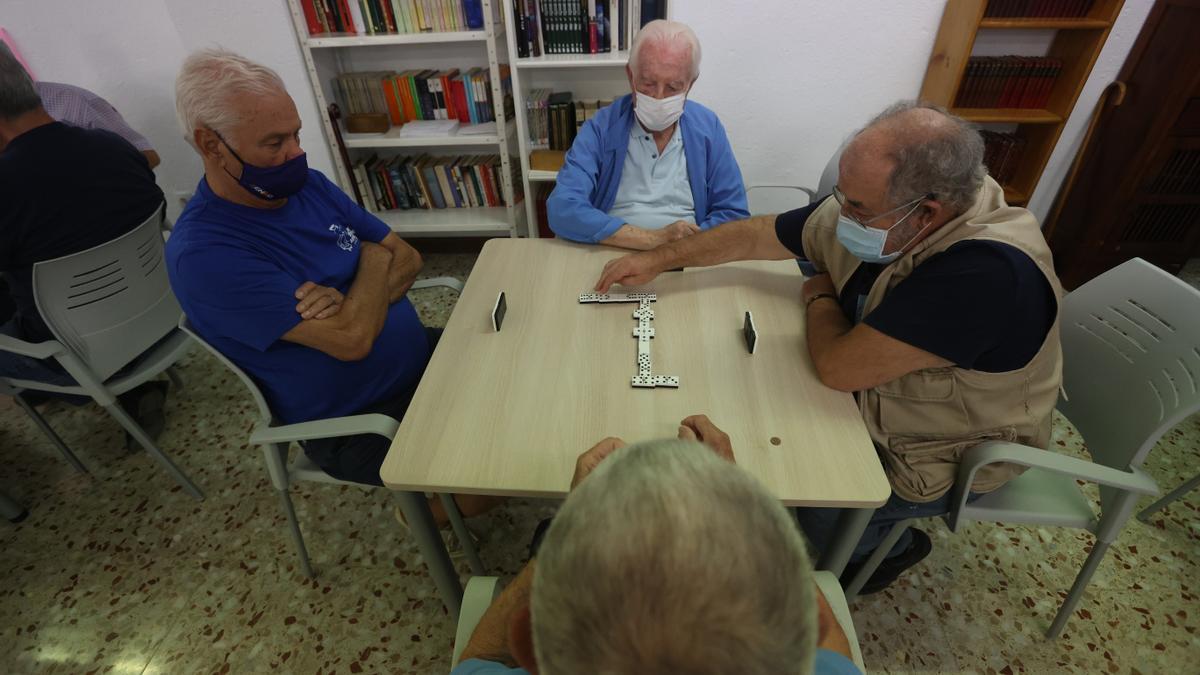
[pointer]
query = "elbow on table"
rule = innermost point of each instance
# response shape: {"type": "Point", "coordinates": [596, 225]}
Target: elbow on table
{"type": "Point", "coordinates": [835, 377]}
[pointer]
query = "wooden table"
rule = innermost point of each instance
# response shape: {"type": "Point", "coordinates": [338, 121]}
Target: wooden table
{"type": "Point", "coordinates": [507, 413]}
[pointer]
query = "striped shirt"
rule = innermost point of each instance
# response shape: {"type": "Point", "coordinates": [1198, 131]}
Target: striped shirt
{"type": "Point", "coordinates": [81, 108]}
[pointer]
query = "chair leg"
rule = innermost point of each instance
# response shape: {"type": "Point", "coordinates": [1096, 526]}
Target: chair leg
{"type": "Point", "coordinates": [433, 551]}
{"type": "Point", "coordinates": [1178, 492]}
{"type": "Point", "coordinates": [1081, 582]}
{"type": "Point", "coordinates": [146, 442]}
{"type": "Point", "coordinates": [464, 535]}
{"type": "Point", "coordinates": [54, 438]}
{"type": "Point", "coordinates": [290, 511]}
{"type": "Point", "coordinates": [877, 557]}
{"type": "Point", "coordinates": [176, 380]}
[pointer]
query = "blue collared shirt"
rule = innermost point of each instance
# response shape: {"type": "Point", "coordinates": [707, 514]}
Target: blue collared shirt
{"type": "Point", "coordinates": [654, 190]}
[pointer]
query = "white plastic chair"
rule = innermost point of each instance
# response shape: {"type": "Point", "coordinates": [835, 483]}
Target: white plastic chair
{"type": "Point", "coordinates": [1178, 492]}
{"type": "Point", "coordinates": [275, 440]}
{"type": "Point", "coordinates": [481, 591]}
{"type": "Point", "coordinates": [108, 307]}
{"type": "Point", "coordinates": [766, 199]}
{"type": "Point", "coordinates": [1131, 372]}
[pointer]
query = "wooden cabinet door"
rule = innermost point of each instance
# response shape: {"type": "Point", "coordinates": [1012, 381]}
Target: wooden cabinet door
{"type": "Point", "coordinates": [1137, 192]}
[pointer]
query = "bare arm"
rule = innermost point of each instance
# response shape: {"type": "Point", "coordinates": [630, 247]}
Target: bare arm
{"type": "Point", "coordinates": [152, 157]}
{"type": "Point", "coordinates": [829, 632]}
{"type": "Point", "coordinates": [350, 334]}
{"type": "Point", "coordinates": [489, 642]}
{"type": "Point", "coordinates": [642, 239]}
{"type": "Point", "coordinates": [406, 264]}
{"type": "Point", "coordinates": [859, 357]}
{"type": "Point", "coordinates": [750, 239]}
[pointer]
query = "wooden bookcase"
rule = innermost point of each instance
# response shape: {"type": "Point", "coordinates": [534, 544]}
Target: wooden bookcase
{"type": "Point", "coordinates": [327, 55]}
{"type": "Point", "coordinates": [1077, 42]}
{"type": "Point", "coordinates": [587, 76]}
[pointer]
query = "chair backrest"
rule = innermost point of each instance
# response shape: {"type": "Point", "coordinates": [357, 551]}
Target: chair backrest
{"type": "Point", "coordinates": [110, 303]}
{"type": "Point", "coordinates": [264, 411]}
{"type": "Point", "coordinates": [767, 199]}
{"type": "Point", "coordinates": [1131, 360]}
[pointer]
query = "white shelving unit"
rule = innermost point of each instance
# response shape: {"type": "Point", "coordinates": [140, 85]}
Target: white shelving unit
{"type": "Point", "coordinates": [326, 56]}
{"type": "Point", "coordinates": [587, 76]}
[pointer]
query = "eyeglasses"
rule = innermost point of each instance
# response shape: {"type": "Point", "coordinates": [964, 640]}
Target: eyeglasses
{"type": "Point", "coordinates": [845, 203]}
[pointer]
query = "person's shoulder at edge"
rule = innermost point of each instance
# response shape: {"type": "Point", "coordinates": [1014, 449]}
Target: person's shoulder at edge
{"type": "Point", "coordinates": [604, 116]}
{"type": "Point", "coordinates": [698, 113]}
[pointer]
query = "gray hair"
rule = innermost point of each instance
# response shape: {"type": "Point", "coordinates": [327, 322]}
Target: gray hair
{"type": "Point", "coordinates": [941, 154]}
{"type": "Point", "coordinates": [663, 32]}
{"type": "Point", "coordinates": [208, 84]}
{"type": "Point", "coordinates": [17, 93]}
{"type": "Point", "coordinates": [668, 559]}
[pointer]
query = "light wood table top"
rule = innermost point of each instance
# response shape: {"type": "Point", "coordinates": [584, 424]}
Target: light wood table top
{"type": "Point", "coordinates": [507, 413]}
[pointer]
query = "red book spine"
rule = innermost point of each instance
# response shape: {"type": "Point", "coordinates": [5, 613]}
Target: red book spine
{"type": "Point", "coordinates": [348, 18]}
{"type": "Point", "coordinates": [310, 17]}
{"type": "Point", "coordinates": [388, 15]}
{"type": "Point", "coordinates": [448, 94]}
{"type": "Point", "coordinates": [460, 101]}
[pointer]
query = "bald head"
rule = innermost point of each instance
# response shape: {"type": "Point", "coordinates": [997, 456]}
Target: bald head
{"type": "Point", "coordinates": [912, 149]}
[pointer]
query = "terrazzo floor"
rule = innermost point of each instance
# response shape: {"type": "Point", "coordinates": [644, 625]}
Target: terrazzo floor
{"type": "Point", "coordinates": [122, 572]}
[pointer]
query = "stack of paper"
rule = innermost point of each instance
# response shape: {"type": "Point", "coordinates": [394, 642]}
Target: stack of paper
{"type": "Point", "coordinates": [484, 129]}
{"type": "Point", "coordinates": [426, 128]}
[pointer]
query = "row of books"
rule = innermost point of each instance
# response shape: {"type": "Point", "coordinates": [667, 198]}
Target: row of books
{"type": "Point", "coordinates": [423, 94]}
{"type": "Point", "coordinates": [554, 118]}
{"type": "Point", "coordinates": [1008, 82]}
{"type": "Point", "coordinates": [1002, 154]}
{"type": "Point", "coordinates": [579, 26]}
{"type": "Point", "coordinates": [429, 182]}
{"type": "Point", "coordinates": [1037, 8]}
{"type": "Point", "coordinates": [391, 16]}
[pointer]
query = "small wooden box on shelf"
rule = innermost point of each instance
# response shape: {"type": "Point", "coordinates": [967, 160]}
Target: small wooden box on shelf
{"type": "Point", "coordinates": [1076, 44]}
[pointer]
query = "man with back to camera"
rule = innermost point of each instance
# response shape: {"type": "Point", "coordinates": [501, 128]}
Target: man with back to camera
{"type": "Point", "coordinates": [666, 557]}
{"type": "Point", "coordinates": [937, 303]}
{"type": "Point", "coordinates": [653, 166]}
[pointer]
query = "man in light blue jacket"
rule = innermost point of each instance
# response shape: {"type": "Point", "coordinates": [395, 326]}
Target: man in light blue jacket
{"type": "Point", "coordinates": [652, 167]}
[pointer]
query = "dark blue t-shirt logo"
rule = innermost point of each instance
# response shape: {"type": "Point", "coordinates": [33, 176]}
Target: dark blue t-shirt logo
{"type": "Point", "coordinates": [347, 240]}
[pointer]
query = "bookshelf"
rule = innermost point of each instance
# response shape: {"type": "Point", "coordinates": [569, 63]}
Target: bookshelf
{"type": "Point", "coordinates": [327, 55]}
{"type": "Point", "coordinates": [586, 76]}
{"type": "Point", "coordinates": [1075, 41]}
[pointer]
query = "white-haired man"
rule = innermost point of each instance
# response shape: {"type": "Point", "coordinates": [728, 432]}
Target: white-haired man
{"type": "Point", "coordinates": [937, 304]}
{"type": "Point", "coordinates": [279, 270]}
{"type": "Point", "coordinates": [652, 167]}
{"type": "Point", "coordinates": [669, 558]}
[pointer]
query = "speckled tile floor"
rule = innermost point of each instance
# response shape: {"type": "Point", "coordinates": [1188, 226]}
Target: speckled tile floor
{"type": "Point", "coordinates": [123, 573]}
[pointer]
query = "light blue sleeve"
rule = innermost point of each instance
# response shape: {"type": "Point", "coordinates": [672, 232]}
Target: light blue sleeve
{"type": "Point", "coordinates": [827, 663]}
{"type": "Point", "coordinates": [481, 667]}
{"type": "Point", "coordinates": [726, 190]}
{"type": "Point", "coordinates": [569, 209]}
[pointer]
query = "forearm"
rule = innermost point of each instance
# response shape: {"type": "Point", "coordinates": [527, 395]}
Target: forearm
{"type": "Point", "coordinates": [490, 639]}
{"type": "Point", "coordinates": [634, 237]}
{"type": "Point", "coordinates": [825, 323]}
{"type": "Point", "coordinates": [367, 300]}
{"type": "Point", "coordinates": [750, 239]}
{"type": "Point", "coordinates": [403, 272]}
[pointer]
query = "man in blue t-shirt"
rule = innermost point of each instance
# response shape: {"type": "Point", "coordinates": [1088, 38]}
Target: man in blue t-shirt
{"type": "Point", "coordinates": [279, 270]}
{"type": "Point", "coordinates": [668, 558]}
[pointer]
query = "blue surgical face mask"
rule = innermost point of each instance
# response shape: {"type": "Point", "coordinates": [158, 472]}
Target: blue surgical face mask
{"type": "Point", "coordinates": [275, 182]}
{"type": "Point", "coordinates": [866, 243]}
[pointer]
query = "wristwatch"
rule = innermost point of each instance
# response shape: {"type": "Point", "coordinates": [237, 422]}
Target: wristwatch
{"type": "Point", "coordinates": [817, 297]}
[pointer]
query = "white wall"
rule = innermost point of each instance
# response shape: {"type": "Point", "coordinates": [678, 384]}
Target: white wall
{"type": "Point", "coordinates": [789, 79]}
{"type": "Point", "coordinates": [129, 51]}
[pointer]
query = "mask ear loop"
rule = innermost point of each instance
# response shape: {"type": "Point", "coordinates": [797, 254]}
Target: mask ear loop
{"type": "Point", "coordinates": [232, 152]}
{"type": "Point", "coordinates": [910, 212]}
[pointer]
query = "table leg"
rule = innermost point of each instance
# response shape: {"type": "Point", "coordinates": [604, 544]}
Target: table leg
{"type": "Point", "coordinates": [429, 541]}
{"type": "Point", "coordinates": [851, 524]}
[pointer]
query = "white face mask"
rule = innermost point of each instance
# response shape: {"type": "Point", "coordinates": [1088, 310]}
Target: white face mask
{"type": "Point", "coordinates": [657, 114]}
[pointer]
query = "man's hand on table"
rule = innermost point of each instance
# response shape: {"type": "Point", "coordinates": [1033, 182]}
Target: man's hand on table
{"type": "Point", "coordinates": [700, 428]}
{"type": "Point", "coordinates": [633, 269]}
{"type": "Point", "coordinates": [318, 302]}
{"type": "Point", "coordinates": [677, 230]}
{"type": "Point", "coordinates": [592, 457]}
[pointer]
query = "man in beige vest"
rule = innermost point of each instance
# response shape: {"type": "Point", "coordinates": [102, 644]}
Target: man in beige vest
{"type": "Point", "coordinates": [935, 302]}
